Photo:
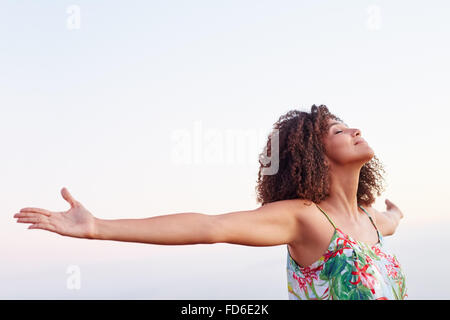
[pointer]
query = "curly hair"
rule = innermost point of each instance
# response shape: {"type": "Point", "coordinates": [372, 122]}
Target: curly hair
{"type": "Point", "coordinates": [302, 170]}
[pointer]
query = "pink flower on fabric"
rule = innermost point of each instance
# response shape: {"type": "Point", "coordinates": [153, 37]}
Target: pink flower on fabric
{"type": "Point", "coordinates": [393, 261]}
{"type": "Point", "coordinates": [378, 252]}
{"type": "Point", "coordinates": [391, 271]}
{"type": "Point", "coordinates": [311, 273]}
{"type": "Point", "coordinates": [346, 241]}
{"type": "Point", "coordinates": [374, 265]}
{"type": "Point", "coordinates": [366, 278]}
{"type": "Point", "coordinates": [342, 242]}
{"type": "Point", "coordinates": [301, 282]}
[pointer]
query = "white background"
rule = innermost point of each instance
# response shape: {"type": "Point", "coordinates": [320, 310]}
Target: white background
{"type": "Point", "coordinates": [93, 107]}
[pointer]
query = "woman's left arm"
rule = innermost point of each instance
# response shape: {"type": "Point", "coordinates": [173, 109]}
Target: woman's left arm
{"type": "Point", "coordinates": [387, 221]}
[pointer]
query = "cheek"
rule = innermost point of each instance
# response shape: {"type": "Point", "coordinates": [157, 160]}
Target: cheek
{"type": "Point", "coordinates": [337, 145]}
{"type": "Point", "coordinates": [339, 150]}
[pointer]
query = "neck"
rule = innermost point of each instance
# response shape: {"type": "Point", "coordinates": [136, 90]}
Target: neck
{"type": "Point", "coordinates": [343, 191]}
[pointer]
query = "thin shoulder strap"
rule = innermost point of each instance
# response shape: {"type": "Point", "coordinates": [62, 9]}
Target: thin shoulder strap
{"type": "Point", "coordinates": [371, 220]}
{"type": "Point", "coordinates": [329, 219]}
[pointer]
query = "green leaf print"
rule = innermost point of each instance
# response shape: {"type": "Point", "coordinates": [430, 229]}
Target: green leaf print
{"type": "Point", "coordinates": [403, 286]}
{"type": "Point", "coordinates": [294, 265]}
{"type": "Point", "coordinates": [361, 256]}
{"type": "Point", "coordinates": [394, 291]}
{"type": "Point", "coordinates": [333, 267]}
{"type": "Point", "coordinates": [346, 278]}
{"type": "Point", "coordinates": [373, 255]}
{"type": "Point", "coordinates": [334, 290]}
{"type": "Point", "coordinates": [360, 292]}
{"type": "Point", "coordinates": [340, 288]}
{"type": "Point", "coordinates": [342, 285]}
{"type": "Point", "coordinates": [314, 290]}
{"type": "Point", "coordinates": [307, 295]}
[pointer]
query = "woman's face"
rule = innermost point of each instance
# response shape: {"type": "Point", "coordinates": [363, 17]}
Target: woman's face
{"type": "Point", "coordinates": [345, 145]}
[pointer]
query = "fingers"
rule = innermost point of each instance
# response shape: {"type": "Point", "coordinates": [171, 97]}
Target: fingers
{"type": "Point", "coordinates": [68, 197]}
{"type": "Point", "coordinates": [389, 203]}
{"type": "Point", "coordinates": [43, 226]}
{"type": "Point", "coordinates": [35, 210]}
{"type": "Point", "coordinates": [391, 206]}
{"type": "Point", "coordinates": [38, 221]}
{"type": "Point", "coordinates": [29, 220]}
{"type": "Point", "coordinates": [30, 215]}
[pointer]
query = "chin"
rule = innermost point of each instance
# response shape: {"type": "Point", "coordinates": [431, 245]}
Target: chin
{"type": "Point", "coordinates": [369, 155]}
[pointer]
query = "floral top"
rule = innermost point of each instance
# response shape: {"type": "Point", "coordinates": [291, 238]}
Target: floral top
{"type": "Point", "coordinates": [349, 269]}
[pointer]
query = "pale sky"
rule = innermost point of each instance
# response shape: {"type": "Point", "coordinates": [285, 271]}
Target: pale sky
{"type": "Point", "coordinates": [93, 94]}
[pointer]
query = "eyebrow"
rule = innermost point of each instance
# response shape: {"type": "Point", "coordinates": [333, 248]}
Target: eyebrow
{"type": "Point", "coordinates": [334, 123]}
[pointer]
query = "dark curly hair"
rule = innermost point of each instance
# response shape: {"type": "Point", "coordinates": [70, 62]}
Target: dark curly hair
{"type": "Point", "coordinates": [302, 171]}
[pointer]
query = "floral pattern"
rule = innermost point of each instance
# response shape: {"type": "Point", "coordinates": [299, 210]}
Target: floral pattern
{"type": "Point", "coordinates": [349, 270]}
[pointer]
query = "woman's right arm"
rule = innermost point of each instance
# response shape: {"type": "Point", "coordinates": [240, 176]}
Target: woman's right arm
{"type": "Point", "coordinates": [170, 229]}
{"type": "Point", "coordinates": [273, 224]}
{"type": "Point", "coordinates": [269, 225]}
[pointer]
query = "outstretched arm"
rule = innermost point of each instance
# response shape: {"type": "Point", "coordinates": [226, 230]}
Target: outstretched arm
{"type": "Point", "coordinates": [388, 221]}
{"type": "Point", "coordinates": [269, 225]}
{"type": "Point", "coordinates": [181, 228]}
{"type": "Point", "coordinates": [171, 229]}
{"type": "Point", "coordinates": [273, 224]}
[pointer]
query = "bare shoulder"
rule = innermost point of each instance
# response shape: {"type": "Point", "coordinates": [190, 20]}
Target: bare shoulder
{"type": "Point", "coordinates": [296, 208]}
{"type": "Point", "coordinates": [381, 220]}
{"type": "Point", "coordinates": [373, 212]}
{"type": "Point", "coordinates": [301, 206]}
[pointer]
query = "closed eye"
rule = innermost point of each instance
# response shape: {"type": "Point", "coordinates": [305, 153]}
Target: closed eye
{"type": "Point", "coordinates": [338, 131]}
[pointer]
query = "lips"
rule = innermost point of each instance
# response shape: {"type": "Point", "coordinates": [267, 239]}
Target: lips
{"type": "Point", "coordinates": [360, 141]}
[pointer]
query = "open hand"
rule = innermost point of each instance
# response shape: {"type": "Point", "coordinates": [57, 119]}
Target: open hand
{"type": "Point", "coordinates": [393, 209]}
{"type": "Point", "coordinates": [76, 222]}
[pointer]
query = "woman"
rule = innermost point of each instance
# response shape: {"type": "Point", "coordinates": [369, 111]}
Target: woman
{"type": "Point", "coordinates": [335, 247]}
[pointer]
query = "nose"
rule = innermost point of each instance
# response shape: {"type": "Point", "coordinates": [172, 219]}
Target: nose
{"type": "Point", "coordinates": [356, 132]}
